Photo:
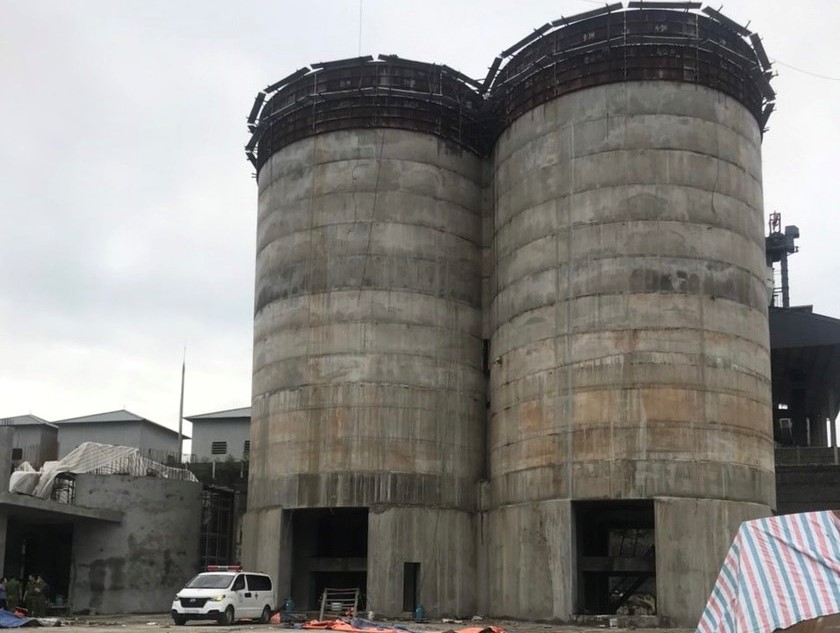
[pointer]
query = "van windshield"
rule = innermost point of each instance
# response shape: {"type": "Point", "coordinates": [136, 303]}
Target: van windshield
{"type": "Point", "coordinates": [210, 581]}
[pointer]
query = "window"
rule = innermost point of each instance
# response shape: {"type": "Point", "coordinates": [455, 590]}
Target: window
{"type": "Point", "coordinates": [218, 448]}
{"type": "Point", "coordinates": [239, 583]}
{"type": "Point", "coordinates": [259, 583]}
{"type": "Point", "coordinates": [17, 454]}
{"type": "Point", "coordinates": [246, 448]}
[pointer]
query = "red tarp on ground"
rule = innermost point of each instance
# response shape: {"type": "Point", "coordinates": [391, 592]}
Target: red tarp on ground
{"type": "Point", "coordinates": [357, 625]}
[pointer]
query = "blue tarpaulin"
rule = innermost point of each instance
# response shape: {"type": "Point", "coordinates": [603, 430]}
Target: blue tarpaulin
{"type": "Point", "coordinates": [11, 621]}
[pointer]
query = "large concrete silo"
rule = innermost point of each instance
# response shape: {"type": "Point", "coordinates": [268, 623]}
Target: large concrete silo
{"type": "Point", "coordinates": [630, 387]}
{"type": "Point", "coordinates": [368, 388]}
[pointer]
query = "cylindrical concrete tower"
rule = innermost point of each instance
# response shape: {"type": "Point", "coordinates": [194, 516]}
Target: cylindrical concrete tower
{"type": "Point", "coordinates": [368, 388]}
{"type": "Point", "coordinates": [630, 391]}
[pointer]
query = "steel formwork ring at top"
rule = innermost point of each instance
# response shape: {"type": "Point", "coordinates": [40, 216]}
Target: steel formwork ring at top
{"type": "Point", "coordinates": [645, 41]}
{"type": "Point", "coordinates": [365, 93]}
{"type": "Point", "coordinates": [671, 41]}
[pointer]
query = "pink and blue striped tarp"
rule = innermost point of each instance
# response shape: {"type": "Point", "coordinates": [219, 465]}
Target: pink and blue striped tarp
{"type": "Point", "coordinates": [779, 571]}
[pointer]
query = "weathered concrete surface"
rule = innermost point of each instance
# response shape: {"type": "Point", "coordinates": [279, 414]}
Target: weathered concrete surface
{"type": "Point", "coordinates": [629, 312]}
{"type": "Point", "coordinates": [527, 561]}
{"type": "Point", "coordinates": [368, 385]}
{"type": "Point", "coordinates": [138, 566]}
{"type": "Point", "coordinates": [442, 541]}
{"type": "Point", "coordinates": [264, 548]}
{"type": "Point", "coordinates": [692, 538]}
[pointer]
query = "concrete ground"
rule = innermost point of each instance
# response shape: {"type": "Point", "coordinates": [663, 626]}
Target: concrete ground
{"type": "Point", "coordinates": [151, 623]}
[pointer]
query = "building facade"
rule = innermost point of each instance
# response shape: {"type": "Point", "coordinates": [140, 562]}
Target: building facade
{"type": "Point", "coordinates": [34, 440]}
{"type": "Point", "coordinates": [120, 428]}
{"type": "Point", "coordinates": [221, 435]}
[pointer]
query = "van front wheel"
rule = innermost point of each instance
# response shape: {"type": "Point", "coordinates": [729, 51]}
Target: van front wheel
{"type": "Point", "coordinates": [226, 618]}
{"type": "Point", "coordinates": [266, 615]}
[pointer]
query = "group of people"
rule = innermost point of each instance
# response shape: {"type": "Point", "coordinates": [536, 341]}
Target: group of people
{"type": "Point", "coordinates": [31, 595]}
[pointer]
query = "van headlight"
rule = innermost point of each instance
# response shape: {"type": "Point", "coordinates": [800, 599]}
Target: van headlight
{"type": "Point", "coordinates": [218, 598]}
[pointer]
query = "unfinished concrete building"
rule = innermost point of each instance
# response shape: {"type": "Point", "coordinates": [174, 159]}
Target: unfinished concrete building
{"type": "Point", "coordinates": [511, 350]}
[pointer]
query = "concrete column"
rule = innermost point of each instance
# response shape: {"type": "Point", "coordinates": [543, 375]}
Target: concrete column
{"type": "Point", "coordinates": [267, 547]}
{"type": "Point", "coordinates": [442, 541]}
{"type": "Point", "coordinates": [692, 538]}
{"type": "Point", "coordinates": [529, 557]}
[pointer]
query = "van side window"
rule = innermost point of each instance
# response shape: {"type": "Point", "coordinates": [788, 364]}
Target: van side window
{"type": "Point", "coordinates": [239, 583]}
{"type": "Point", "coordinates": [257, 582]}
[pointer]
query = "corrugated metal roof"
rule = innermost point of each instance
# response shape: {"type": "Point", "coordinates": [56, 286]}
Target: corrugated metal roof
{"type": "Point", "coordinates": [26, 420]}
{"type": "Point", "coordinates": [116, 416]}
{"type": "Point", "coordinates": [227, 414]}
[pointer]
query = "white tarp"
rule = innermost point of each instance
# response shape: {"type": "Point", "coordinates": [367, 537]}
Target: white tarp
{"type": "Point", "coordinates": [24, 479]}
{"type": "Point", "coordinates": [103, 459]}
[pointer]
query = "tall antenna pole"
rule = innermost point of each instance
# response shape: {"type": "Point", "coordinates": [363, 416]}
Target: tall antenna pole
{"type": "Point", "coordinates": [181, 410]}
{"type": "Point", "coordinates": [360, 27]}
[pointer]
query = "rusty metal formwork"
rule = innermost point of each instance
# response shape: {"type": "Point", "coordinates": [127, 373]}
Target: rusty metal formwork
{"type": "Point", "coordinates": [645, 41]}
{"type": "Point", "coordinates": [388, 92]}
{"type": "Point", "coordinates": [648, 41]}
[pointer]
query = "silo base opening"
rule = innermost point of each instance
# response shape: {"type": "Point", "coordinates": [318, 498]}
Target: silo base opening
{"type": "Point", "coordinates": [329, 552]}
{"type": "Point", "coordinates": [616, 558]}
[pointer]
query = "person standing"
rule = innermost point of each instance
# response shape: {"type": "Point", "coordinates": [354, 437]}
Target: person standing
{"type": "Point", "coordinates": [35, 593]}
{"type": "Point", "coordinates": [12, 594]}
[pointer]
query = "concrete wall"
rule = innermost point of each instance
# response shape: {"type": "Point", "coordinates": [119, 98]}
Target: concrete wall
{"type": "Point", "coordinates": [629, 312]}
{"type": "Point", "coordinates": [692, 538]}
{"type": "Point", "coordinates": [442, 541]}
{"type": "Point", "coordinates": [368, 384]}
{"type": "Point", "coordinates": [527, 561]}
{"type": "Point", "coordinates": [138, 566]}
{"type": "Point", "coordinates": [235, 432]}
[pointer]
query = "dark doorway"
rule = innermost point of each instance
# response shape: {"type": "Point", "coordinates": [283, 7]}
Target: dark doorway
{"type": "Point", "coordinates": [40, 548]}
{"type": "Point", "coordinates": [330, 552]}
{"type": "Point", "coordinates": [411, 583]}
{"type": "Point", "coordinates": [616, 557]}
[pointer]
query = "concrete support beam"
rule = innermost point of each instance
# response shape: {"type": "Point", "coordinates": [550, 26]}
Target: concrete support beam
{"type": "Point", "coordinates": [692, 538]}
{"type": "Point", "coordinates": [442, 541]}
{"type": "Point", "coordinates": [529, 556]}
{"type": "Point", "coordinates": [267, 547]}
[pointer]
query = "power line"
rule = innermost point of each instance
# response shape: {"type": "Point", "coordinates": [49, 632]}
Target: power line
{"type": "Point", "coordinates": [807, 72]}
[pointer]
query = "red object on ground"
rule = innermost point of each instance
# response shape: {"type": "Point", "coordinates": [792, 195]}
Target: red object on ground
{"type": "Point", "coordinates": [347, 627]}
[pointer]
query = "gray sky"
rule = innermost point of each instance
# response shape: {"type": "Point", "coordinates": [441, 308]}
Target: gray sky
{"type": "Point", "coordinates": [127, 209]}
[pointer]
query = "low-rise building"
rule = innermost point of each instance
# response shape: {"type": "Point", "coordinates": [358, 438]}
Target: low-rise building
{"type": "Point", "coordinates": [121, 428]}
{"type": "Point", "coordinates": [33, 439]}
{"type": "Point", "coordinates": [222, 435]}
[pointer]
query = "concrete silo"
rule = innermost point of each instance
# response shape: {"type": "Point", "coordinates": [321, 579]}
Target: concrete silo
{"type": "Point", "coordinates": [630, 393]}
{"type": "Point", "coordinates": [368, 390]}
{"type": "Point", "coordinates": [511, 346]}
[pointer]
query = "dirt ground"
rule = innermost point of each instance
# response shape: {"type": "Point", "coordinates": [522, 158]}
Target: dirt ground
{"type": "Point", "coordinates": [152, 623]}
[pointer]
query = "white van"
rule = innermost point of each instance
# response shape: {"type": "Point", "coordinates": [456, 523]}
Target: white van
{"type": "Point", "coordinates": [225, 594]}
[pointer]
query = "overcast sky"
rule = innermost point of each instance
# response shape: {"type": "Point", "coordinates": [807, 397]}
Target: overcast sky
{"type": "Point", "coordinates": [127, 209]}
